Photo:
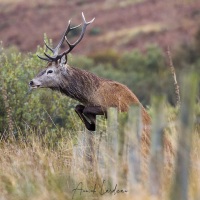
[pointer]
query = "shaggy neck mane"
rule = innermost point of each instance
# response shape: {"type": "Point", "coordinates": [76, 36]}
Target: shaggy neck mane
{"type": "Point", "coordinates": [79, 84]}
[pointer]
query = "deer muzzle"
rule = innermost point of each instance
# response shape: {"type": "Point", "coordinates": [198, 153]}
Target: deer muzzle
{"type": "Point", "coordinates": [34, 84]}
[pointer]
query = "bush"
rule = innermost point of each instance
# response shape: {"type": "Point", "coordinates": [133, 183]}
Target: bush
{"type": "Point", "coordinates": [154, 59]}
{"type": "Point", "coordinates": [145, 74]}
{"type": "Point", "coordinates": [132, 61]}
{"type": "Point", "coordinates": [35, 109]}
{"type": "Point", "coordinates": [110, 56]}
{"type": "Point", "coordinates": [81, 61]}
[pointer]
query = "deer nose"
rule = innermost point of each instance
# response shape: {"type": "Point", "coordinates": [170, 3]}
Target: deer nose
{"type": "Point", "coordinates": [31, 83]}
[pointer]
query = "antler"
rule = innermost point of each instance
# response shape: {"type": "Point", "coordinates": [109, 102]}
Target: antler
{"type": "Point", "coordinates": [56, 56]}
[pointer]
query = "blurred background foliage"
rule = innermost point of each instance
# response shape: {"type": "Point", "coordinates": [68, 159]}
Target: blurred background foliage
{"type": "Point", "coordinates": [127, 43]}
{"type": "Point", "coordinates": [145, 73]}
{"type": "Point", "coordinates": [29, 109]}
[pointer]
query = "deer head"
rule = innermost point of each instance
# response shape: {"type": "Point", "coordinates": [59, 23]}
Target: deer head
{"type": "Point", "coordinates": [52, 75]}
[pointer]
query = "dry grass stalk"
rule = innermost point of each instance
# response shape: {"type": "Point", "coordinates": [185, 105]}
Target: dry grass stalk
{"type": "Point", "coordinates": [173, 72]}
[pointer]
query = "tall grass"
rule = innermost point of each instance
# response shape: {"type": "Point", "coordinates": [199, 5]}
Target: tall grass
{"type": "Point", "coordinates": [111, 163]}
{"type": "Point", "coordinates": [42, 158]}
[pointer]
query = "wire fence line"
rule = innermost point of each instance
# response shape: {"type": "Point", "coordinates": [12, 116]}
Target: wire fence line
{"type": "Point", "coordinates": [115, 155]}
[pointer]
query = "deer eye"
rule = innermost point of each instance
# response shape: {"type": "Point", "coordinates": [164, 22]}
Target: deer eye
{"type": "Point", "coordinates": [49, 71]}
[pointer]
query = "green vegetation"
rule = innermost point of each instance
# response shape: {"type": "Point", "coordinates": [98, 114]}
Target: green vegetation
{"type": "Point", "coordinates": [30, 109]}
{"type": "Point", "coordinates": [46, 151]}
{"type": "Point", "coordinates": [45, 167]}
{"type": "Point", "coordinates": [145, 73]}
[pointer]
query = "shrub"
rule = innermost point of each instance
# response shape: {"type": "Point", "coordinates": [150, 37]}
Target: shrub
{"type": "Point", "coordinates": [81, 61]}
{"type": "Point", "coordinates": [132, 61]}
{"type": "Point", "coordinates": [35, 109]}
{"type": "Point", "coordinates": [104, 57]}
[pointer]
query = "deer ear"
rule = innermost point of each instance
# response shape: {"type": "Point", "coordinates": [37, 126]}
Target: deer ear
{"type": "Point", "coordinates": [63, 59]}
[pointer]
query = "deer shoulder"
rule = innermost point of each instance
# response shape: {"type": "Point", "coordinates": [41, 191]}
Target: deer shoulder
{"type": "Point", "coordinates": [114, 94]}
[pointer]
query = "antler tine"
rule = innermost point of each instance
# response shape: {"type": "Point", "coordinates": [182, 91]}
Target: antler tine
{"type": "Point", "coordinates": [83, 30]}
{"type": "Point", "coordinates": [63, 37]}
{"type": "Point", "coordinates": [49, 57]}
{"type": "Point", "coordinates": [43, 58]}
{"type": "Point", "coordinates": [55, 50]}
{"type": "Point", "coordinates": [48, 46]}
{"type": "Point", "coordinates": [83, 17]}
{"type": "Point", "coordinates": [71, 46]}
{"type": "Point", "coordinates": [75, 27]}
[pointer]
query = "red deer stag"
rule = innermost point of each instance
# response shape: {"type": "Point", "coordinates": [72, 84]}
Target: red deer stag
{"type": "Point", "coordinates": [96, 94]}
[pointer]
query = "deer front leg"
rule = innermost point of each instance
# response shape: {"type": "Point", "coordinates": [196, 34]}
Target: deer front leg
{"type": "Point", "coordinates": [79, 110]}
{"type": "Point", "coordinates": [89, 113]}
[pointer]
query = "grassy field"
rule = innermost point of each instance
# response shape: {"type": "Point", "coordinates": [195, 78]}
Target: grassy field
{"type": "Point", "coordinates": [112, 163]}
{"type": "Point", "coordinates": [46, 153]}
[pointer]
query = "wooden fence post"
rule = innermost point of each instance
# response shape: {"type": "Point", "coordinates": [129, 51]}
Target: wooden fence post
{"type": "Point", "coordinates": [182, 169]}
{"type": "Point", "coordinates": [112, 146]}
{"type": "Point", "coordinates": [157, 143]}
{"type": "Point", "coordinates": [133, 134]}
